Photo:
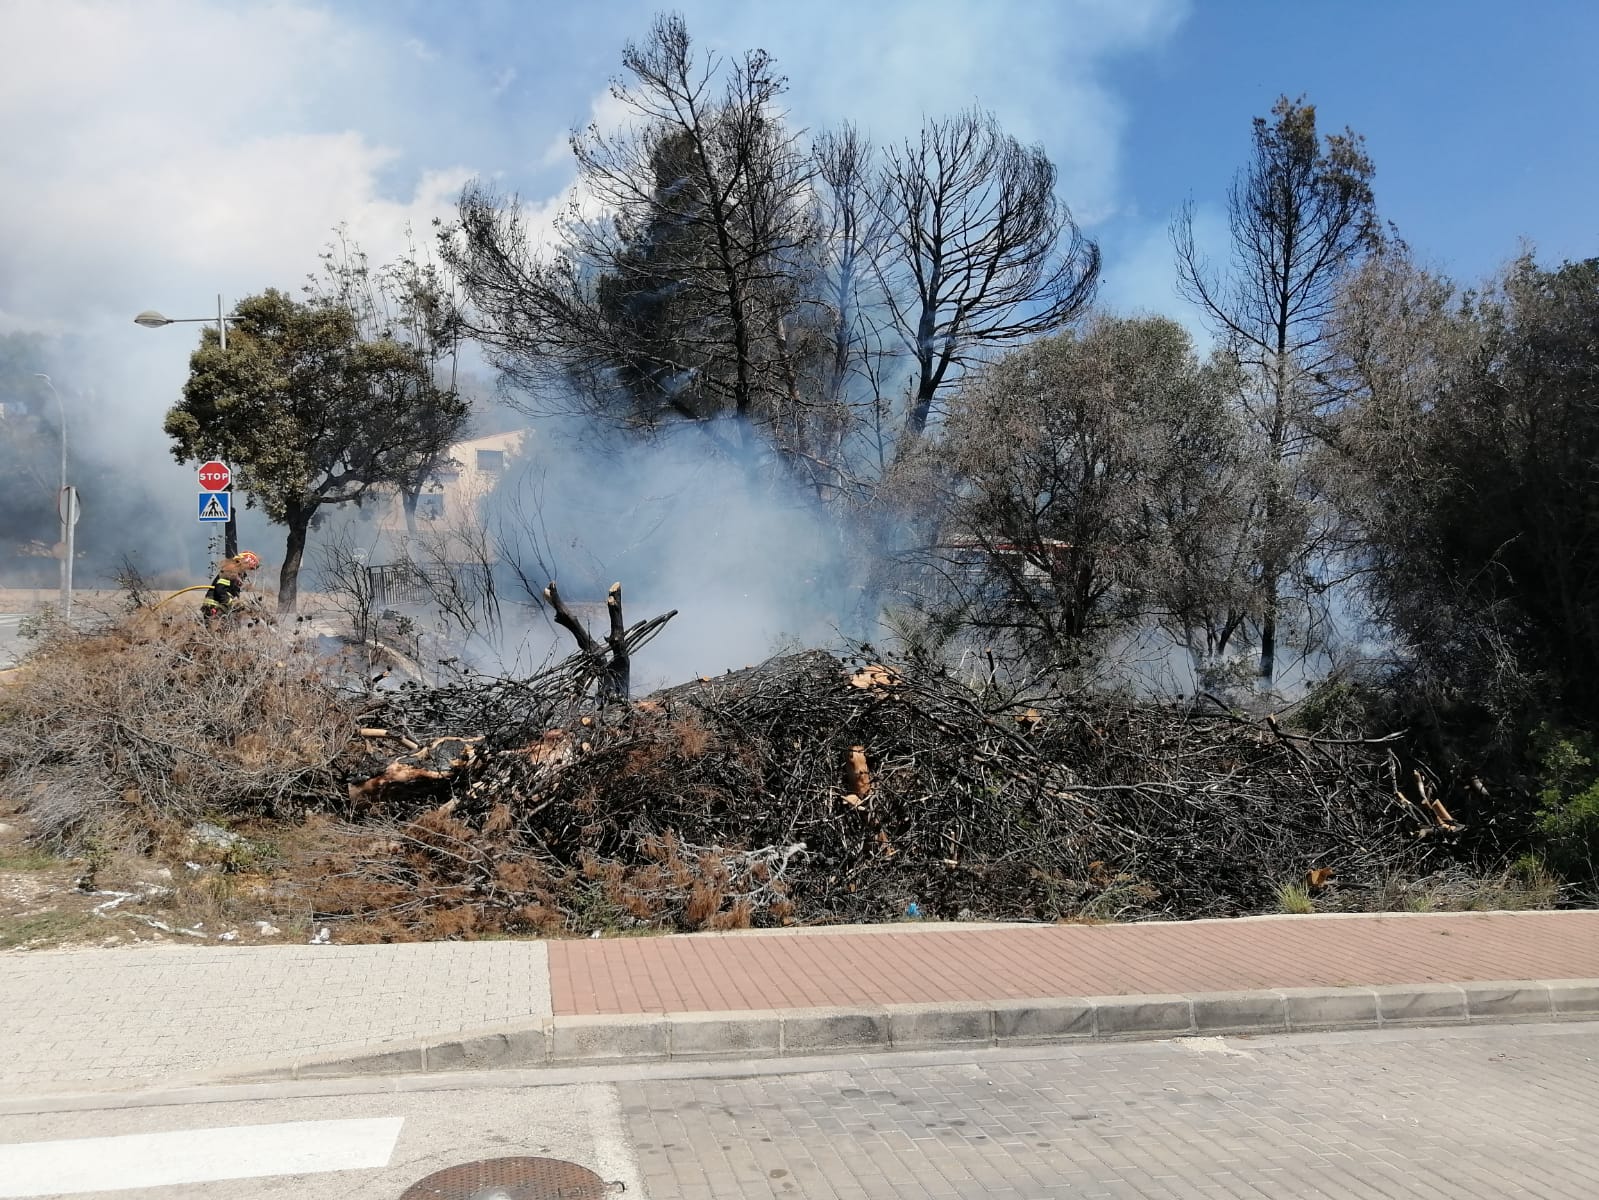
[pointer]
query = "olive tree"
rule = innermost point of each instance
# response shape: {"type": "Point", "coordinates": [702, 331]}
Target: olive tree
{"type": "Point", "coordinates": [1084, 478]}
{"type": "Point", "coordinates": [311, 413]}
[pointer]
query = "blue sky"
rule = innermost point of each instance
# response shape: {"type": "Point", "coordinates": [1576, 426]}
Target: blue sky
{"type": "Point", "coordinates": [1481, 116]}
{"type": "Point", "coordinates": [162, 151]}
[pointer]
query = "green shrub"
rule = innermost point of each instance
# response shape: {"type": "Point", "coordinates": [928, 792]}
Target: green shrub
{"type": "Point", "coordinates": [1568, 804]}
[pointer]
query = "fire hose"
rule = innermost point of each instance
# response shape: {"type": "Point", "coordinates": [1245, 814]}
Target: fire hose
{"type": "Point", "coordinates": [199, 587]}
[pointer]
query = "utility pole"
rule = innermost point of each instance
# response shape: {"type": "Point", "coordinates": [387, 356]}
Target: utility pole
{"type": "Point", "coordinates": [66, 506]}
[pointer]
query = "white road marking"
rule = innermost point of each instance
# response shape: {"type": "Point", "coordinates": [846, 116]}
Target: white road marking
{"type": "Point", "coordinates": [1210, 1045]}
{"type": "Point", "coordinates": [137, 1160]}
{"type": "Point", "coordinates": [614, 1160]}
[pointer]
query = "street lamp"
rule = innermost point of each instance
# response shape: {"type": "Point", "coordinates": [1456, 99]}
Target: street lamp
{"type": "Point", "coordinates": [151, 319]}
{"type": "Point", "coordinates": [66, 506]}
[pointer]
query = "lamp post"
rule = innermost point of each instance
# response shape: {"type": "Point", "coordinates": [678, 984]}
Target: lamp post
{"type": "Point", "coordinates": [151, 319]}
{"type": "Point", "coordinates": [66, 505]}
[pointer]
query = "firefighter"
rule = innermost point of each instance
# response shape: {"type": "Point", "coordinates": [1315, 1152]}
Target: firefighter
{"type": "Point", "coordinates": [228, 587]}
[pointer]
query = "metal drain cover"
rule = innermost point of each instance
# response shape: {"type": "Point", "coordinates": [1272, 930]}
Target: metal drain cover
{"type": "Point", "coordinates": [510, 1179]}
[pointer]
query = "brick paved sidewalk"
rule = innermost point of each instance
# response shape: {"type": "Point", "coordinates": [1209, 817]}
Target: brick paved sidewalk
{"type": "Point", "coordinates": [151, 1013]}
{"type": "Point", "coordinates": [125, 1017]}
{"type": "Point", "coordinates": [907, 964]}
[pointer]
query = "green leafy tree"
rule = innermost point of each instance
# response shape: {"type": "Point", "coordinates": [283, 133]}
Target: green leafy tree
{"type": "Point", "coordinates": [1084, 476]}
{"type": "Point", "coordinates": [1479, 485]}
{"type": "Point", "coordinates": [1567, 822]}
{"type": "Point", "coordinates": [312, 413]}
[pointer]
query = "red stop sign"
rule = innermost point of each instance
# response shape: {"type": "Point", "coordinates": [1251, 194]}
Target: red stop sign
{"type": "Point", "coordinates": [214, 476]}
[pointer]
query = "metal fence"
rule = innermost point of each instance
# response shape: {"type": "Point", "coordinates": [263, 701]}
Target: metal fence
{"type": "Point", "coordinates": [450, 585]}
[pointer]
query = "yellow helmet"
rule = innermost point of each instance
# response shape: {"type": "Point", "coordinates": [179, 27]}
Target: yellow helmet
{"type": "Point", "coordinates": [248, 559]}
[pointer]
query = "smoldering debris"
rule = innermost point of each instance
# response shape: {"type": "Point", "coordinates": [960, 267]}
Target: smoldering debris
{"type": "Point", "coordinates": [808, 788]}
{"type": "Point", "coordinates": [815, 788]}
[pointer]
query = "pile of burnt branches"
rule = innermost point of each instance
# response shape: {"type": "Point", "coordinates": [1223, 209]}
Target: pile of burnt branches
{"type": "Point", "coordinates": [813, 788]}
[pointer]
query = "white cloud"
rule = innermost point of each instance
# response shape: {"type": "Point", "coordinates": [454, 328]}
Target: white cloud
{"type": "Point", "coordinates": [1140, 271]}
{"type": "Point", "coordinates": [161, 152]}
{"type": "Point", "coordinates": [1040, 66]}
{"type": "Point", "coordinates": [606, 113]}
{"type": "Point", "coordinates": [172, 149]}
{"type": "Point", "coordinates": [421, 49]}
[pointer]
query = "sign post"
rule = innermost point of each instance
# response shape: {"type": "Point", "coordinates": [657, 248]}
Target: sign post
{"type": "Point", "coordinates": [67, 507]}
{"type": "Point", "coordinates": [216, 502]}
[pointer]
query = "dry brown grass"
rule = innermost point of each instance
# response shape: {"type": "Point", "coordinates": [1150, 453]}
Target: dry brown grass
{"type": "Point", "coordinates": [132, 733]}
{"type": "Point", "coordinates": [437, 876]}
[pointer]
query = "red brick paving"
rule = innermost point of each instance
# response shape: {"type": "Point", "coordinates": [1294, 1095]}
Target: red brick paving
{"type": "Point", "coordinates": [907, 965]}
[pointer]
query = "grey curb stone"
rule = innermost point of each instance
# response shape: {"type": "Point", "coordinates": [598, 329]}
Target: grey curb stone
{"type": "Point", "coordinates": [1330, 1008]}
{"type": "Point", "coordinates": [1499, 1001]}
{"type": "Point", "coordinates": [955, 1024]}
{"type": "Point", "coordinates": [1043, 1020]}
{"type": "Point", "coordinates": [610, 1038]}
{"type": "Point", "coordinates": [1121, 1016]}
{"type": "Point", "coordinates": [1575, 997]}
{"type": "Point", "coordinates": [521, 1048]}
{"type": "Point", "coordinates": [725, 1034]}
{"type": "Point", "coordinates": [391, 1062]}
{"type": "Point", "coordinates": [1240, 1012]}
{"type": "Point", "coordinates": [1420, 1004]}
{"type": "Point", "coordinates": [817, 1030]}
{"type": "Point", "coordinates": [568, 1041]}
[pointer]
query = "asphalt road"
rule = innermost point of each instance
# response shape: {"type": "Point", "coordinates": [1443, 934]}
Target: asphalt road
{"type": "Point", "coordinates": [1453, 1113]}
{"type": "Point", "coordinates": [11, 644]}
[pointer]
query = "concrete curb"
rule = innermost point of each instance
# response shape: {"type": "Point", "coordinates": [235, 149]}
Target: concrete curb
{"type": "Point", "coordinates": [568, 1041]}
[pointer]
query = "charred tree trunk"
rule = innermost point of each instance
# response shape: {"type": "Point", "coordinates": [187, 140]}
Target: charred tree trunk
{"type": "Point", "coordinates": [613, 665]}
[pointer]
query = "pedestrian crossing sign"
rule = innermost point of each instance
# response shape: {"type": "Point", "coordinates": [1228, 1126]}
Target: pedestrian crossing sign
{"type": "Point", "coordinates": [215, 506]}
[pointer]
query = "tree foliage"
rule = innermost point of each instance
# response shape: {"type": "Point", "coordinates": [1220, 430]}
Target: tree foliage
{"type": "Point", "coordinates": [315, 406]}
{"type": "Point", "coordinates": [1081, 488]}
{"type": "Point", "coordinates": [711, 266]}
{"type": "Point", "coordinates": [1481, 466]}
{"type": "Point", "coordinates": [665, 293]}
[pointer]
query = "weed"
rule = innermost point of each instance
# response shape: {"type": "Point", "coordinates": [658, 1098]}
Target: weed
{"type": "Point", "coordinates": [154, 720]}
{"type": "Point", "coordinates": [1294, 898]}
{"type": "Point", "coordinates": [42, 929]}
{"type": "Point", "coordinates": [27, 858]}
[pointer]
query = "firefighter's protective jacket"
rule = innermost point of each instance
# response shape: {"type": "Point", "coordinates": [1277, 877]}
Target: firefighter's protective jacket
{"type": "Point", "coordinates": [223, 592]}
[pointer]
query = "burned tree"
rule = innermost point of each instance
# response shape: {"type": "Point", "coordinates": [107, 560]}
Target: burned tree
{"type": "Point", "coordinates": [1301, 216]}
{"type": "Point", "coordinates": [659, 302]}
{"type": "Point", "coordinates": [842, 420]}
{"type": "Point", "coordinates": [981, 252]}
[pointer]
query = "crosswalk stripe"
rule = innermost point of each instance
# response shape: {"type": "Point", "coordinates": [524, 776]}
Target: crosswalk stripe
{"type": "Point", "coordinates": [143, 1160]}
